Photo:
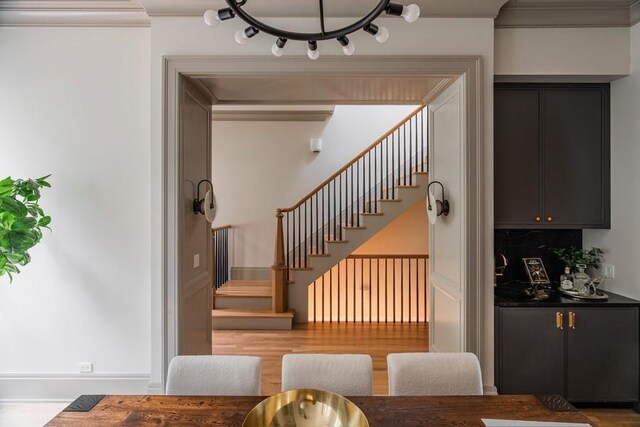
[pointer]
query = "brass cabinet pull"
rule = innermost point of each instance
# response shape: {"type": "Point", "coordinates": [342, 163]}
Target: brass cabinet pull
{"type": "Point", "coordinates": [549, 219]}
{"type": "Point", "coordinates": [572, 320]}
{"type": "Point", "coordinates": [538, 219]}
{"type": "Point", "coordinates": [559, 320]}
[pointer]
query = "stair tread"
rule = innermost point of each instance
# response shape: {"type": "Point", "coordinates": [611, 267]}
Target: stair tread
{"type": "Point", "coordinates": [232, 312]}
{"type": "Point", "coordinates": [245, 288]}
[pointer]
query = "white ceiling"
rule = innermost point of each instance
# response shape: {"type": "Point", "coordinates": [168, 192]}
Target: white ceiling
{"type": "Point", "coordinates": [327, 90]}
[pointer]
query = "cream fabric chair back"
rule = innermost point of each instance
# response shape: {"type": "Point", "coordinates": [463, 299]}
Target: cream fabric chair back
{"type": "Point", "coordinates": [214, 376]}
{"type": "Point", "coordinates": [434, 374]}
{"type": "Point", "coordinates": [345, 374]}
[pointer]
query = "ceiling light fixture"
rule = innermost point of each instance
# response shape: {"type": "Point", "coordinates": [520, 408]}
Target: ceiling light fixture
{"type": "Point", "coordinates": [410, 13]}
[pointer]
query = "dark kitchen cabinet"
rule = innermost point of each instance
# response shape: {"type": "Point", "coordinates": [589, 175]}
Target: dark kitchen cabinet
{"type": "Point", "coordinates": [551, 156]}
{"type": "Point", "coordinates": [585, 354]}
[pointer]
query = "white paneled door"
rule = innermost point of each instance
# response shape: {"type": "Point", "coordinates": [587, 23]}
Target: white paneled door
{"type": "Point", "coordinates": [195, 270]}
{"type": "Point", "coordinates": [447, 236]}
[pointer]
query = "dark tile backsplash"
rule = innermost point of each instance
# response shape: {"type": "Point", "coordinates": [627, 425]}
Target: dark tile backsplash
{"type": "Point", "coordinates": [518, 244]}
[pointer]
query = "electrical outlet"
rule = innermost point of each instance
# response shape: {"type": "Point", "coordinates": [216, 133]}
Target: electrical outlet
{"type": "Point", "coordinates": [196, 261]}
{"type": "Point", "coordinates": [85, 368]}
{"type": "Point", "coordinates": [608, 270]}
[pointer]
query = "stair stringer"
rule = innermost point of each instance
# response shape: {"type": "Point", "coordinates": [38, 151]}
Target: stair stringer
{"type": "Point", "coordinates": [391, 209]}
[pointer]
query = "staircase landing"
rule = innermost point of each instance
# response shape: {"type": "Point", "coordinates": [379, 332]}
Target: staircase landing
{"type": "Point", "coordinates": [246, 305]}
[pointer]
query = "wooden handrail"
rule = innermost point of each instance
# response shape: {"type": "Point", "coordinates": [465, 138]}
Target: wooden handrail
{"type": "Point", "coordinates": [354, 160]}
{"type": "Point", "coordinates": [394, 256]}
{"type": "Point", "coordinates": [223, 227]}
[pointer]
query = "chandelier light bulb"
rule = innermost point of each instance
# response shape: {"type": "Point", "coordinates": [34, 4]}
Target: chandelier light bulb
{"type": "Point", "coordinates": [241, 38]}
{"type": "Point", "coordinates": [347, 47]}
{"type": "Point", "coordinates": [211, 18]}
{"type": "Point", "coordinates": [313, 54]}
{"type": "Point", "coordinates": [312, 51]}
{"type": "Point", "coordinates": [277, 51]}
{"type": "Point", "coordinates": [382, 35]}
{"type": "Point", "coordinates": [278, 47]}
{"type": "Point", "coordinates": [411, 13]}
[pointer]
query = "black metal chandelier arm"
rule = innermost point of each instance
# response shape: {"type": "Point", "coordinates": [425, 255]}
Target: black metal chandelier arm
{"type": "Point", "coordinates": [322, 17]}
{"type": "Point", "coordinates": [291, 35]}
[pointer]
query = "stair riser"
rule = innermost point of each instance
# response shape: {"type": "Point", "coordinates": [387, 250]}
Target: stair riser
{"type": "Point", "coordinates": [244, 303]}
{"type": "Point", "coordinates": [249, 323]}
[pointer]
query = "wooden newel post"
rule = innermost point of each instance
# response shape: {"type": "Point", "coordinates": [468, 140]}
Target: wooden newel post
{"type": "Point", "coordinates": [280, 298]}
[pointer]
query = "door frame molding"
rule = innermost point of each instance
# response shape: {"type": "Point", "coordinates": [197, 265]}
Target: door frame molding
{"type": "Point", "coordinates": [468, 67]}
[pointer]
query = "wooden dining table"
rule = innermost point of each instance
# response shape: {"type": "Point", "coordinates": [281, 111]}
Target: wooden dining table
{"type": "Point", "coordinates": [381, 411]}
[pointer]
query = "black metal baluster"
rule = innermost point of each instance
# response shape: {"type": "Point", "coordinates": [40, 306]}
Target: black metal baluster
{"type": "Point", "coordinates": [401, 290]}
{"type": "Point", "coordinates": [354, 291]}
{"type": "Point", "coordinates": [324, 319]}
{"type": "Point", "coordinates": [378, 290]}
{"type": "Point", "coordinates": [322, 221]}
{"type": "Point", "coordinates": [358, 193]}
{"type": "Point", "coordinates": [338, 291]}
{"type": "Point", "coordinates": [393, 167]}
{"type": "Point", "coordinates": [369, 187]}
{"type": "Point", "coordinates": [393, 287]}
{"type": "Point", "coordinates": [370, 293]}
{"type": "Point", "coordinates": [306, 252]}
{"type": "Point", "coordinates": [362, 290]}
{"type": "Point", "coordinates": [409, 274]}
{"type": "Point", "coordinates": [330, 295]}
{"type": "Point", "coordinates": [417, 290]}
{"type": "Point", "coordinates": [426, 288]}
{"type": "Point", "coordinates": [411, 142]}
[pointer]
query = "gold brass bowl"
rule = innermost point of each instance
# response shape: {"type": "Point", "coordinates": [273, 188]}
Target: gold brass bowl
{"type": "Point", "coordinates": [306, 408]}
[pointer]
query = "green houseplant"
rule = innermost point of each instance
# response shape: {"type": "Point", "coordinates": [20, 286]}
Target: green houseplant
{"type": "Point", "coordinates": [21, 221]}
{"type": "Point", "coordinates": [573, 256]}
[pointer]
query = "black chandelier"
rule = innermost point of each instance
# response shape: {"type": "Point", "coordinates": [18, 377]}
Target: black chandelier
{"type": "Point", "coordinates": [410, 13]}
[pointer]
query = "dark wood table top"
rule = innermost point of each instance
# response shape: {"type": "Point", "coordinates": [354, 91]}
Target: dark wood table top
{"type": "Point", "coordinates": [381, 411]}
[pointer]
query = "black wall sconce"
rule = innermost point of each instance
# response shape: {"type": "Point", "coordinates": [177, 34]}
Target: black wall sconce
{"type": "Point", "coordinates": [441, 206]}
{"type": "Point", "coordinates": [199, 205]}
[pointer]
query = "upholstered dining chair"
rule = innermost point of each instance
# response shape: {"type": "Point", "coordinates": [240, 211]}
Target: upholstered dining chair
{"type": "Point", "coordinates": [434, 374]}
{"type": "Point", "coordinates": [345, 374]}
{"type": "Point", "coordinates": [214, 376]}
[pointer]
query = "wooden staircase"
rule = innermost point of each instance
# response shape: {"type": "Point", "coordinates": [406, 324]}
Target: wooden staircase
{"type": "Point", "coordinates": [247, 304]}
{"type": "Point", "coordinates": [327, 225]}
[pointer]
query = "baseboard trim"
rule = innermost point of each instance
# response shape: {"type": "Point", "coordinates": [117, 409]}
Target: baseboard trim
{"type": "Point", "coordinates": [490, 390]}
{"type": "Point", "coordinates": [66, 386]}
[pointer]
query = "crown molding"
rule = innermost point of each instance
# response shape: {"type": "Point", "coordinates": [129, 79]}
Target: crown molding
{"type": "Point", "coordinates": [567, 13]}
{"type": "Point", "coordinates": [72, 13]}
{"type": "Point", "coordinates": [301, 9]}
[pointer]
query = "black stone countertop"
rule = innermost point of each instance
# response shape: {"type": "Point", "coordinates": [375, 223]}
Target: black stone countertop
{"type": "Point", "coordinates": [559, 300]}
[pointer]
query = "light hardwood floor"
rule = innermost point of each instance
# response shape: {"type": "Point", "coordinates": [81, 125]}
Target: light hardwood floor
{"type": "Point", "coordinates": [375, 340]}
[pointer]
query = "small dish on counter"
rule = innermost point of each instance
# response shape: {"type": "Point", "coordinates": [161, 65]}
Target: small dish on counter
{"type": "Point", "coordinates": [599, 295]}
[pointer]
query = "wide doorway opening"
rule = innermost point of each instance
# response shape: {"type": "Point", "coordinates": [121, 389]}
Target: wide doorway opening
{"type": "Point", "coordinates": [439, 284]}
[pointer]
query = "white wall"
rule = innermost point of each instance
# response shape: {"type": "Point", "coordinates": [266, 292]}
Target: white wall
{"type": "Point", "coordinates": [622, 243]}
{"type": "Point", "coordinates": [430, 36]}
{"type": "Point", "coordinates": [562, 51]}
{"type": "Point", "coordinates": [259, 167]}
{"type": "Point", "coordinates": [75, 104]}
{"type": "Point", "coordinates": [408, 234]}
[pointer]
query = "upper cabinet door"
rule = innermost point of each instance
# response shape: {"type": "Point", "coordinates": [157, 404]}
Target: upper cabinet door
{"type": "Point", "coordinates": [517, 157]}
{"type": "Point", "coordinates": [575, 153]}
